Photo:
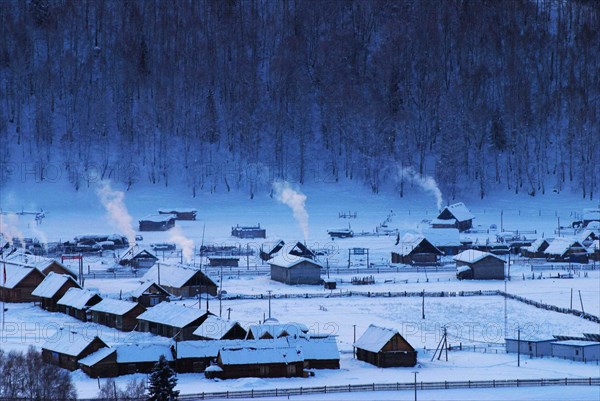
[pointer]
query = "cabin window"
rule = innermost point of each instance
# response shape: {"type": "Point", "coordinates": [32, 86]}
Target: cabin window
{"type": "Point", "coordinates": [119, 322]}
{"type": "Point", "coordinates": [67, 310]}
{"type": "Point", "coordinates": [576, 352]}
{"type": "Point", "coordinates": [154, 301]}
{"type": "Point", "coordinates": [530, 348]}
{"type": "Point", "coordinates": [264, 370]}
{"type": "Point", "coordinates": [291, 370]}
{"type": "Point", "coordinates": [55, 357]}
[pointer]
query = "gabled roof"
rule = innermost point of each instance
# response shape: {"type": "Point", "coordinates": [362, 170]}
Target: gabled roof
{"type": "Point", "coordinates": [375, 338]}
{"type": "Point", "coordinates": [459, 211]}
{"type": "Point", "coordinates": [210, 349]}
{"type": "Point", "coordinates": [561, 245]}
{"type": "Point", "coordinates": [536, 245]}
{"type": "Point", "coordinates": [442, 236]}
{"type": "Point", "coordinates": [473, 256]}
{"type": "Point", "coordinates": [289, 261]}
{"type": "Point", "coordinates": [587, 235]}
{"type": "Point", "coordinates": [138, 292]}
{"type": "Point", "coordinates": [172, 315]}
{"type": "Point", "coordinates": [97, 356]}
{"type": "Point", "coordinates": [173, 275]}
{"type": "Point", "coordinates": [130, 353]}
{"type": "Point", "coordinates": [594, 247]}
{"type": "Point", "coordinates": [15, 274]}
{"type": "Point", "coordinates": [52, 284]}
{"type": "Point", "coordinates": [410, 242]}
{"type": "Point", "coordinates": [114, 306]}
{"type": "Point", "coordinates": [137, 252]}
{"type": "Point", "coordinates": [251, 356]}
{"type": "Point", "coordinates": [70, 344]}
{"type": "Point", "coordinates": [277, 330]}
{"type": "Point", "coordinates": [214, 327]}
{"type": "Point", "coordinates": [76, 298]}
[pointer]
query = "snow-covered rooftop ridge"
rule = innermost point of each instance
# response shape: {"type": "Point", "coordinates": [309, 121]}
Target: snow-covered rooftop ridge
{"type": "Point", "coordinates": [130, 353]}
{"type": "Point", "coordinates": [459, 211]}
{"type": "Point", "coordinates": [97, 356]}
{"type": "Point", "coordinates": [136, 251]}
{"type": "Point", "coordinates": [411, 241]}
{"type": "Point", "coordinates": [114, 306]}
{"type": "Point", "coordinates": [442, 236]}
{"type": "Point", "coordinates": [171, 315]}
{"type": "Point", "coordinates": [289, 261]}
{"type": "Point", "coordinates": [577, 343]}
{"type": "Point", "coordinates": [375, 338]}
{"type": "Point", "coordinates": [560, 245]}
{"type": "Point", "coordinates": [210, 348]}
{"type": "Point", "coordinates": [76, 298]}
{"type": "Point", "coordinates": [474, 256]}
{"type": "Point", "coordinates": [276, 330]}
{"type": "Point", "coordinates": [536, 245]}
{"type": "Point", "coordinates": [171, 275]}
{"type": "Point", "coordinates": [250, 355]}
{"type": "Point", "coordinates": [177, 210]}
{"type": "Point", "coordinates": [15, 274]}
{"type": "Point", "coordinates": [52, 283]}
{"type": "Point", "coordinates": [159, 218]}
{"type": "Point", "coordinates": [68, 343]}
{"type": "Point", "coordinates": [139, 291]}
{"type": "Point", "coordinates": [214, 327]}
{"type": "Point", "coordinates": [322, 348]}
{"type": "Point", "coordinates": [27, 260]}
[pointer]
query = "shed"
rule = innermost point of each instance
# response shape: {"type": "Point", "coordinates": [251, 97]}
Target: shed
{"type": "Point", "coordinates": [138, 258]}
{"type": "Point", "coordinates": [116, 313]}
{"type": "Point", "coordinates": [66, 350]}
{"type": "Point", "coordinates": [19, 283]}
{"type": "Point", "coordinates": [564, 249]}
{"type": "Point", "coordinates": [385, 348]}
{"type": "Point", "coordinates": [181, 281]}
{"type": "Point", "coordinates": [158, 222]}
{"type": "Point", "coordinates": [416, 250]}
{"type": "Point", "coordinates": [290, 269]}
{"type": "Point", "coordinates": [52, 288]}
{"type": "Point", "coordinates": [181, 213]}
{"type": "Point", "coordinates": [248, 232]}
{"type": "Point", "coordinates": [456, 215]}
{"type": "Point", "coordinates": [149, 294]}
{"type": "Point", "coordinates": [577, 350]}
{"type": "Point", "coordinates": [260, 362]}
{"type": "Point", "coordinates": [536, 249]}
{"type": "Point", "coordinates": [216, 328]}
{"type": "Point", "coordinates": [478, 265]}
{"type": "Point", "coordinates": [533, 347]}
{"type": "Point", "coordinates": [76, 302]}
{"type": "Point", "coordinates": [171, 320]}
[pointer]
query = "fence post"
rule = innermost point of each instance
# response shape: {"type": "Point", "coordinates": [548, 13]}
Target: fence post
{"type": "Point", "coordinates": [252, 393]}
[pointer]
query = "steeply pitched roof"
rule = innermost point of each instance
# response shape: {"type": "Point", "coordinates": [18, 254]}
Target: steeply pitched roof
{"type": "Point", "coordinates": [277, 330]}
{"type": "Point", "coordinates": [459, 211]}
{"type": "Point", "coordinates": [559, 246]}
{"type": "Point", "coordinates": [114, 306]}
{"type": "Point", "coordinates": [52, 283]}
{"type": "Point", "coordinates": [137, 252]}
{"type": "Point", "coordinates": [69, 344]}
{"type": "Point", "coordinates": [171, 315]}
{"type": "Point", "coordinates": [536, 245]}
{"type": "Point", "coordinates": [289, 261]}
{"type": "Point", "coordinates": [138, 292]}
{"type": "Point", "coordinates": [375, 338]}
{"type": "Point", "coordinates": [15, 274]}
{"type": "Point", "coordinates": [214, 327]}
{"type": "Point", "coordinates": [172, 275]}
{"type": "Point", "coordinates": [76, 298]}
{"type": "Point", "coordinates": [410, 242]}
{"type": "Point", "coordinates": [473, 256]}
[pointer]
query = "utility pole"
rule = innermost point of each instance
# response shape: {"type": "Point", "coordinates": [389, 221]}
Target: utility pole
{"type": "Point", "coordinates": [354, 342]}
{"type": "Point", "coordinates": [416, 373]}
{"type": "Point", "coordinates": [269, 292]}
{"type": "Point", "coordinates": [581, 301]}
{"type": "Point", "coordinates": [571, 298]}
{"type": "Point", "coordinates": [518, 346]}
{"type": "Point", "coordinates": [423, 305]}
{"type": "Point", "coordinates": [228, 313]}
{"type": "Point", "coordinates": [505, 311]}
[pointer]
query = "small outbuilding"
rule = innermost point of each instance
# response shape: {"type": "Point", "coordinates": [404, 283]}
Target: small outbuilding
{"type": "Point", "coordinates": [149, 294]}
{"type": "Point", "coordinates": [19, 283]}
{"type": "Point", "coordinates": [171, 320]}
{"type": "Point", "coordinates": [181, 281]}
{"type": "Point", "coordinates": [158, 222]}
{"type": "Point", "coordinates": [138, 258]}
{"type": "Point", "coordinates": [67, 349]}
{"type": "Point", "coordinates": [478, 265]}
{"type": "Point", "coordinates": [292, 270]}
{"type": "Point", "coordinates": [416, 250]}
{"type": "Point", "coordinates": [385, 348]}
{"type": "Point", "coordinates": [52, 289]}
{"type": "Point", "coordinates": [577, 350]}
{"type": "Point", "coordinates": [76, 302]}
{"type": "Point", "coordinates": [116, 313]}
{"type": "Point", "coordinates": [565, 249]}
{"type": "Point", "coordinates": [536, 249]}
{"type": "Point", "coordinates": [454, 216]}
{"type": "Point", "coordinates": [533, 347]}
{"type": "Point", "coordinates": [248, 232]}
{"type": "Point", "coordinates": [181, 213]}
{"type": "Point", "coordinates": [216, 328]}
{"type": "Point", "coordinates": [223, 261]}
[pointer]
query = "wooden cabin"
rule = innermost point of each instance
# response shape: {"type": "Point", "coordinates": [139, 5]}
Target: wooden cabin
{"type": "Point", "coordinates": [180, 213]}
{"type": "Point", "coordinates": [67, 350]}
{"type": "Point", "coordinates": [115, 313]}
{"type": "Point", "coordinates": [478, 265]}
{"type": "Point", "coordinates": [454, 216]}
{"type": "Point", "coordinates": [416, 250]}
{"type": "Point", "coordinates": [170, 320]}
{"type": "Point", "coordinates": [149, 294]}
{"type": "Point", "coordinates": [216, 328]}
{"type": "Point", "coordinates": [138, 258]}
{"type": "Point", "coordinates": [125, 359]}
{"type": "Point", "coordinates": [385, 348]}
{"type": "Point", "coordinates": [319, 351]}
{"type": "Point", "coordinates": [224, 261]}
{"type": "Point", "coordinates": [447, 240]}
{"type": "Point", "coordinates": [181, 281]}
{"type": "Point", "coordinates": [157, 222]}
{"type": "Point", "coordinates": [536, 249]}
{"type": "Point", "coordinates": [76, 302]}
{"type": "Point", "coordinates": [260, 362]}
{"type": "Point", "coordinates": [248, 232]}
{"type": "Point", "coordinates": [19, 283]}
{"type": "Point", "coordinates": [293, 270]}
{"type": "Point", "coordinates": [52, 289]}
{"type": "Point", "coordinates": [564, 249]}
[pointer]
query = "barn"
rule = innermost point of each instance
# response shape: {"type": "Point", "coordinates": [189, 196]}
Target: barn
{"type": "Point", "coordinates": [292, 270]}
{"type": "Point", "coordinates": [76, 303]}
{"type": "Point", "coordinates": [533, 347]}
{"type": "Point", "coordinates": [181, 213]}
{"type": "Point", "coordinates": [52, 289]}
{"type": "Point", "coordinates": [158, 222]}
{"type": "Point", "coordinates": [564, 249]}
{"type": "Point", "coordinates": [181, 281]}
{"type": "Point", "coordinates": [454, 216]}
{"type": "Point", "coordinates": [19, 283]}
{"type": "Point", "coordinates": [69, 348]}
{"type": "Point", "coordinates": [138, 258]}
{"type": "Point", "coordinates": [416, 250]}
{"type": "Point", "coordinates": [536, 249]}
{"type": "Point", "coordinates": [577, 350]}
{"type": "Point", "coordinates": [384, 348]}
{"type": "Point", "coordinates": [478, 265]}
{"type": "Point", "coordinates": [149, 294]}
{"type": "Point", "coordinates": [171, 320]}
{"type": "Point", "coordinates": [260, 362]}
{"type": "Point", "coordinates": [116, 313]}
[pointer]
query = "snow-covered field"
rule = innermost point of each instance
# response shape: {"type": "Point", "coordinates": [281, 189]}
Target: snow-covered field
{"type": "Point", "coordinates": [471, 321]}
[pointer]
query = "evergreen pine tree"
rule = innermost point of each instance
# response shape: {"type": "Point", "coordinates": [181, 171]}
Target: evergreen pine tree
{"type": "Point", "coordinates": [162, 382]}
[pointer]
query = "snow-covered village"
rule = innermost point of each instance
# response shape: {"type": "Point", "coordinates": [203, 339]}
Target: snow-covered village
{"type": "Point", "coordinates": [357, 200]}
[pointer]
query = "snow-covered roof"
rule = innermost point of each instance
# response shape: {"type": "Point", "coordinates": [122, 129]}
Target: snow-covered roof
{"type": "Point", "coordinates": [289, 261]}
{"type": "Point", "coordinates": [448, 222]}
{"type": "Point", "coordinates": [577, 343]}
{"type": "Point", "coordinates": [76, 298]}
{"type": "Point", "coordinates": [97, 356]}
{"type": "Point", "coordinates": [536, 245]}
{"type": "Point", "coordinates": [594, 246]}
{"type": "Point", "coordinates": [177, 210]}
{"type": "Point", "coordinates": [52, 283]}
{"type": "Point", "coordinates": [442, 236]}
{"type": "Point", "coordinates": [171, 315]}
{"type": "Point", "coordinates": [69, 344]}
{"type": "Point", "coordinates": [532, 339]}
{"type": "Point", "coordinates": [591, 214]}
{"type": "Point", "coordinates": [159, 218]}
{"type": "Point", "coordinates": [114, 306]}
{"type": "Point", "coordinates": [316, 348]}
{"type": "Point", "coordinates": [559, 246]}
{"type": "Point", "coordinates": [171, 275]}
{"type": "Point", "coordinates": [277, 330]}
{"type": "Point", "coordinates": [251, 356]}
{"type": "Point", "coordinates": [138, 292]}
{"type": "Point", "coordinates": [15, 274]}
{"type": "Point", "coordinates": [411, 241]}
{"type": "Point", "coordinates": [459, 211]}
{"type": "Point", "coordinates": [130, 353]}
{"type": "Point", "coordinates": [473, 256]}
{"type": "Point", "coordinates": [375, 338]}
{"type": "Point", "coordinates": [214, 327]}
{"type": "Point", "coordinates": [137, 251]}
{"type": "Point", "coordinates": [461, 269]}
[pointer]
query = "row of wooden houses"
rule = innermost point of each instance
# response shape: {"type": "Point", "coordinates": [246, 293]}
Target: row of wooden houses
{"type": "Point", "coordinates": [579, 249]}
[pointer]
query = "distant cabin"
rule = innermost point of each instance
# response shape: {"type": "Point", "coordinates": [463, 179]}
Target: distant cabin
{"type": "Point", "coordinates": [478, 265]}
{"type": "Point", "coordinates": [20, 283]}
{"type": "Point", "coordinates": [224, 261]}
{"type": "Point", "coordinates": [416, 250]}
{"type": "Point", "coordinates": [125, 359]}
{"type": "Point", "coordinates": [181, 281]}
{"type": "Point", "coordinates": [68, 349]}
{"type": "Point", "coordinates": [138, 258]}
{"type": "Point", "coordinates": [536, 249]}
{"type": "Point", "coordinates": [385, 348]}
{"type": "Point", "coordinates": [241, 362]}
{"type": "Point", "coordinates": [45, 265]}
{"type": "Point", "coordinates": [454, 216]}
{"type": "Point", "coordinates": [115, 313]}
{"type": "Point", "coordinates": [566, 250]}
{"type": "Point", "coordinates": [216, 328]}
{"type": "Point", "coordinates": [293, 270]}
{"type": "Point", "coordinates": [52, 289]}
{"type": "Point", "coordinates": [157, 222]}
{"type": "Point", "coordinates": [171, 320]}
{"type": "Point", "coordinates": [149, 294]}
{"type": "Point", "coordinates": [248, 232]}
{"type": "Point", "coordinates": [532, 347]}
{"type": "Point", "coordinates": [589, 215]}
{"type": "Point", "coordinates": [446, 240]}
{"type": "Point", "coordinates": [180, 213]}
{"type": "Point", "coordinates": [76, 302]}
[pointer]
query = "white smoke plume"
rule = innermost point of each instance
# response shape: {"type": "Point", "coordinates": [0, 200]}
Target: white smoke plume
{"type": "Point", "coordinates": [296, 201]}
{"type": "Point", "coordinates": [114, 203]}
{"type": "Point", "coordinates": [187, 245]}
{"type": "Point", "coordinates": [424, 181]}
{"type": "Point", "coordinates": [9, 227]}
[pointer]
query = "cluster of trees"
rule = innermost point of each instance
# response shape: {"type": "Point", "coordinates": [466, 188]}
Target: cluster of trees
{"type": "Point", "coordinates": [235, 93]}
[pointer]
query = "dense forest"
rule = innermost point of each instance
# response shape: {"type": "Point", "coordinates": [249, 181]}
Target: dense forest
{"type": "Point", "coordinates": [232, 94]}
